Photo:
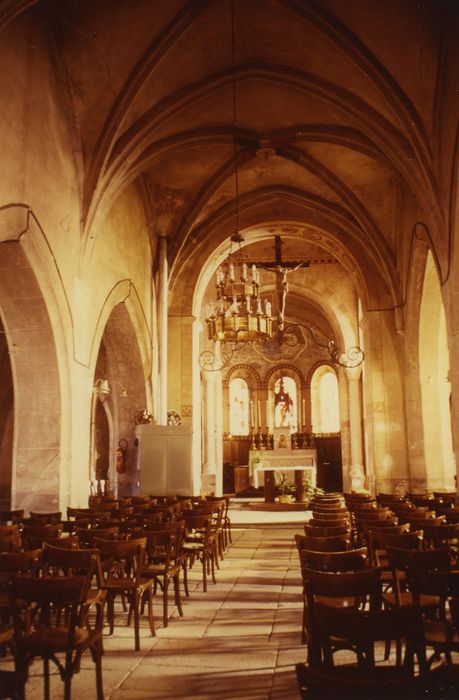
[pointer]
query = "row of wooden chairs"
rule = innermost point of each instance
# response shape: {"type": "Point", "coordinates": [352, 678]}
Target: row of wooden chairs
{"type": "Point", "coordinates": [131, 565]}
{"type": "Point", "coordinates": [349, 604]}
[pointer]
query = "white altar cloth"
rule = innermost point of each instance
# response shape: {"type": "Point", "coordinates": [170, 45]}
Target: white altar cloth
{"type": "Point", "coordinates": [281, 461]}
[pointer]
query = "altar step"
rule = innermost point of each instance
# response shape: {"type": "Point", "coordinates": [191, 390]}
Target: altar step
{"type": "Point", "coordinates": [278, 507]}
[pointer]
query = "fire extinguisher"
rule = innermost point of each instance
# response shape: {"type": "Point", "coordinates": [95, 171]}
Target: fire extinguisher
{"type": "Point", "coordinates": [120, 456]}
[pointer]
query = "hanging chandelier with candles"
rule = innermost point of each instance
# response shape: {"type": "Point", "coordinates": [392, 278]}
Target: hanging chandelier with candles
{"type": "Point", "coordinates": [238, 314]}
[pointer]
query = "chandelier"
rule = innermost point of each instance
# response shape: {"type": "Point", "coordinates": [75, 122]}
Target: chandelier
{"type": "Point", "coordinates": [239, 314]}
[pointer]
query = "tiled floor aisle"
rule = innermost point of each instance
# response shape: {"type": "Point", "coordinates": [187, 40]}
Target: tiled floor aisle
{"type": "Point", "coordinates": [238, 640]}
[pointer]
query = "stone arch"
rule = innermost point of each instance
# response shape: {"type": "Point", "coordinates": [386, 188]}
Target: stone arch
{"type": "Point", "coordinates": [244, 371]}
{"type": "Point", "coordinates": [286, 369]}
{"type": "Point", "coordinates": [124, 359]}
{"type": "Point", "coordinates": [37, 474]}
{"type": "Point", "coordinates": [434, 369]}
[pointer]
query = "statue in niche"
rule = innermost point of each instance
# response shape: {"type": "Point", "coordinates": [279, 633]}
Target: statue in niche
{"type": "Point", "coordinates": [283, 404]}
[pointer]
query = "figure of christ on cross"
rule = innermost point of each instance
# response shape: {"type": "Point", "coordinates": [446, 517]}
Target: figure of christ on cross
{"type": "Point", "coordinates": [281, 268]}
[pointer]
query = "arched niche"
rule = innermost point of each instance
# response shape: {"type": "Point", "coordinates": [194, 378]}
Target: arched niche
{"type": "Point", "coordinates": [272, 379]}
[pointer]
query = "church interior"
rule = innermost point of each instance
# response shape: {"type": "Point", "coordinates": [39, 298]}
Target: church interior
{"type": "Point", "coordinates": [228, 228]}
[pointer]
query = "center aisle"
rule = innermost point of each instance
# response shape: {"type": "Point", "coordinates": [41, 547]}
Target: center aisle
{"type": "Point", "coordinates": [238, 640]}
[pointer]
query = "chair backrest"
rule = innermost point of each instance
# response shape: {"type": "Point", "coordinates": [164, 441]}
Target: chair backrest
{"type": "Point", "coordinates": [438, 535]}
{"type": "Point", "coordinates": [339, 543]}
{"type": "Point", "coordinates": [72, 562]}
{"type": "Point", "coordinates": [331, 514]}
{"type": "Point", "coordinates": [28, 562]}
{"type": "Point", "coordinates": [425, 559]}
{"type": "Point", "coordinates": [46, 530]}
{"type": "Point", "coordinates": [9, 529]}
{"type": "Point", "coordinates": [444, 584]}
{"type": "Point", "coordinates": [325, 531]}
{"type": "Point", "coordinates": [324, 522]}
{"type": "Point", "coordinates": [351, 560]}
{"type": "Point", "coordinates": [374, 514]}
{"type": "Point", "coordinates": [87, 537]}
{"type": "Point", "coordinates": [363, 629]}
{"type": "Point", "coordinates": [122, 558]}
{"type": "Point", "coordinates": [11, 543]}
{"type": "Point", "coordinates": [46, 517]}
{"type": "Point", "coordinates": [165, 545]}
{"type": "Point", "coordinates": [13, 516]}
{"type": "Point", "coordinates": [41, 604]}
{"type": "Point", "coordinates": [359, 586]}
{"type": "Point", "coordinates": [201, 523]}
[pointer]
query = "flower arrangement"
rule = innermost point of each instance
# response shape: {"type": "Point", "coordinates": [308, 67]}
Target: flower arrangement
{"type": "Point", "coordinates": [284, 485]}
{"type": "Point", "coordinates": [309, 490]}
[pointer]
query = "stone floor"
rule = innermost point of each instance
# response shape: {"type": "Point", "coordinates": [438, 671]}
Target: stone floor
{"type": "Point", "coordinates": [238, 640]}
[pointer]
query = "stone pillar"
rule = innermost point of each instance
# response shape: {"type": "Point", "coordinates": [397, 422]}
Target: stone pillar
{"type": "Point", "coordinates": [346, 458]}
{"type": "Point", "coordinates": [209, 467]}
{"type": "Point", "coordinates": [357, 472]}
{"type": "Point", "coordinates": [163, 275]}
{"type": "Point", "coordinates": [218, 435]}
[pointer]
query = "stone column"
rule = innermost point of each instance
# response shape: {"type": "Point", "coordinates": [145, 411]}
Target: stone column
{"type": "Point", "coordinates": [357, 472]}
{"type": "Point", "coordinates": [346, 457]}
{"type": "Point", "coordinates": [218, 434]}
{"type": "Point", "coordinates": [163, 275]}
{"type": "Point", "coordinates": [209, 466]}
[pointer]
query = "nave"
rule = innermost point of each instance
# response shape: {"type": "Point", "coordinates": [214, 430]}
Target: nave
{"type": "Point", "coordinates": [240, 639]}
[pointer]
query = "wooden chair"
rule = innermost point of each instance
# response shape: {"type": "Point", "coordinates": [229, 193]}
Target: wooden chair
{"type": "Point", "coordinates": [443, 634]}
{"type": "Point", "coordinates": [12, 564]}
{"type": "Point", "coordinates": [164, 565]}
{"type": "Point", "coordinates": [380, 538]}
{"type": "Point", "coordinates": [351, 560]}
{"type": "Point", "coordinates": [81, 562]}
{"type": "Point", "coordinates": [122, 562]}
{"type": "Point", "coordinates": [87, 536]}
{"type": "Point", "coordinates": [11, 543]}
{"type": "Point", "coordinates": [399, 561]}
{"type": "Point", "coordinates": [50, 619]}
{"type": "Point", "coordinates": [363, 631]}
{"type": "Point", "coordinates": [46, 518]}
{"type": "Point", "coordinates": [325, 531]}
{"type": "Point", "coordinates": [200, 541]}
{"type": "Point", "coordinates": [226, 521]}
{"type": "Point", "coordinates": [355, 589]}
{"type": "Point", "coordinates": [33, 535]}
{"type": "Point", "coordinates": [338, 543]}
{"type": "Point", "coordinates": [11, 516]}
{"type": "Point", "coordinates": [324, 522]}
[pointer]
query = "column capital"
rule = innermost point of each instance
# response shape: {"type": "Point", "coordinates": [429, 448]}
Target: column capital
{"type": "Point", "coordinates": [353, 372]}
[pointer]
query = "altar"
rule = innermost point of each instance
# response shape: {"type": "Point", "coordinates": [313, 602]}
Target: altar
{"type": "Point", "coordinates": [264, 464]}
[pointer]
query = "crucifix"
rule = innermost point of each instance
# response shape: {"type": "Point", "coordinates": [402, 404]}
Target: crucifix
{"type": "Point", "coordinates": [281, 268]}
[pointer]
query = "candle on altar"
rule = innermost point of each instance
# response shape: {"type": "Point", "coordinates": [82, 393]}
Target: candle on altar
{"type": "Point", "coordinates": [267, 413]}
{"type": "Point", "coordinates": [252, 422]}
{"type": "Point", "coordinates": [304, 411]}
{"type": "Point", "coordinates": [259, 414]}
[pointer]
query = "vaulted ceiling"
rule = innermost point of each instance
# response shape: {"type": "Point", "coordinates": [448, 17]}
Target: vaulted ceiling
{"type": "Point", "coordinates": [333, 109]}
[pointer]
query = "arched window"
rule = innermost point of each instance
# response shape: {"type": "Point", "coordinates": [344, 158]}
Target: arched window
{"type": "Point", "coordinates": [238, 407]}
{"type": "Point", "coordinates": [325, 401]}
{"type": "Point", "coordinates": [285, 403]}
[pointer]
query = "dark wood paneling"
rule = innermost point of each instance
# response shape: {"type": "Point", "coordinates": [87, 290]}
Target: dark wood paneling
{"type": "Point", "coordinates": [329, 463]}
